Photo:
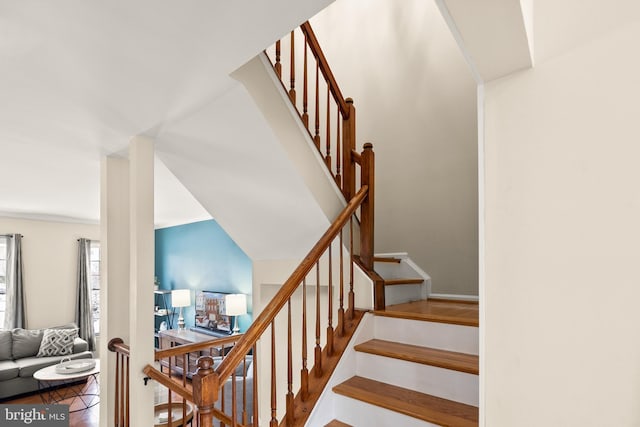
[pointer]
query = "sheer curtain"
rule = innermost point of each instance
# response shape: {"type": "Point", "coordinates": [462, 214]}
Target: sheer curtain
{"type": "Point", "coordinates": [14, 316]}
{"type": "Point", "coordinates": [84, 317]}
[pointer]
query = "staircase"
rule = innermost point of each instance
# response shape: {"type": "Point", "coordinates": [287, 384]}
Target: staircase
{"type": "Point", "coordinates": [416, 360]}
{"type": "Point", "coordinates": [420, 368]}
{"type": "Point", "coordinates": [403, 280]}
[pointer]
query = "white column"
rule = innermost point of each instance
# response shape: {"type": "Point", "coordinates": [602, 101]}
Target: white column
{"type": "Point", "coordinates": [141, 157]}
{"type": "Point", "coordinates": [114, 273]}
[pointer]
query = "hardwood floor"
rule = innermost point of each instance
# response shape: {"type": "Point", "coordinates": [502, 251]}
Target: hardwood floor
{"type": "Point", "coordinates": [91, 416]}
{"type": "Point", "coordinates": [86, 418]}
{"type": "Point", "coordinates": [436, 310]}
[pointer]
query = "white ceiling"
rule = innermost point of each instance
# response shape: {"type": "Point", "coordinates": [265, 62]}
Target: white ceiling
{"type": "Point", "coordinates": [80, 78]}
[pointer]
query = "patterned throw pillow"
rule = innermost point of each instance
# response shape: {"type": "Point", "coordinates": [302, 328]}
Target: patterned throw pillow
{"type": "Point", "coordinates": [57, 342]}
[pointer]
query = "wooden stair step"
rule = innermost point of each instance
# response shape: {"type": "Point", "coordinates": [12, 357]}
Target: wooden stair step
{"type": "Point", "coordinates": [408, 402]}
{"type": "Point", "coordinates": [386, 259]}
{"type": "Point", "coordinates": [336, 423]}
{"type": "Point", "coordinates": [433, 310]}
{"type": "Point", "coordinates": [411, 281]}
{"type": "Point", "coordinates": [461, 362]}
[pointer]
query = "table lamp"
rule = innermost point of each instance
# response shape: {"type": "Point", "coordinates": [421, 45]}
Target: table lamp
{"type": "Point", "coordinates": [235, 305]}
{"type": "Point", "coordinates": [181, 298]}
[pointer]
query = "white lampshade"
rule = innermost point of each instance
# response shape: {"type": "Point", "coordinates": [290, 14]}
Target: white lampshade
{"type": "Point", "coordinates": [181, 298]}
{"type": "Point", "coordinates": [235, 304]}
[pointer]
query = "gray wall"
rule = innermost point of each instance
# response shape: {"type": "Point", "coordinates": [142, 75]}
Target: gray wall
{"type": "Point", "coordinates": [416, 102]}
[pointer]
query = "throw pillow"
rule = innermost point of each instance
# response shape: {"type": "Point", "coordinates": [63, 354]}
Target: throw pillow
{"type": "Point", "coordinates": [57, 342]}
{"type": "Point", "coordinates": [5, 344]}
{"type": "Point", "coordinates": [26, 342]}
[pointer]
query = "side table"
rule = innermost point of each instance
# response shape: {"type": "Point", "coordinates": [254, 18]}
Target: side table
{"type": "Point", "coordinates": [58, 388]}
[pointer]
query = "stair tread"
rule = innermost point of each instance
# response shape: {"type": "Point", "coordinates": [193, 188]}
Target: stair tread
{"type": "Point", "coordinates": [336, 423]}
{"type": "Point", "coordinates": [402, 281]}
{"type": "Point", "coordinates": [456, 361]}
{"type": "Point", "coordinates": [432, 310]}
{"type": "Point", "coordinates": [408, 402]}
{"type": "Point", "coordinates": [386, 259]}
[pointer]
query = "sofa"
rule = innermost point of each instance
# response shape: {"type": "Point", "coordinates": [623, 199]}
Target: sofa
{"type": "Point", "coordinates": [23, 352]}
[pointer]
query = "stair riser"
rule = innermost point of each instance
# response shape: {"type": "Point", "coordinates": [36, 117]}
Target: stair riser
{"type": "Point", "coordinates": [399, 294]}
{"type": "Point", "coordinates": [463, 339]}
{"type": "Point", "coordinates": [361, 414]}
{"type": "Point", "coordinates": [448, 384]}
{"type": "Point", "coordinates": [395, 270]}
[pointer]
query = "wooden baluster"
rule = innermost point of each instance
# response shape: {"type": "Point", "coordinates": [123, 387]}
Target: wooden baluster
{"type": "Point", "coordinates": [116, 418]}
{"type": "Point", "coordinates": [254, 396]}
{"type": "Point", "coordinates": [185, 371]}
{"type": "Point", "coordinates": [184, 409]}
{"type": "Point", "coordinates": [330, 304]}
{"type": "Point", "coordinates": [317, 361]}
{"type": "Point", "coordinates": [222, 399]}
{"type": "Point", "coordinates": [341, 307]}
{"type": "Point", "coordinates": [304, 372]}
{"type": "Point", "coordinates": [305, 114]}
{"type": "Point", "coordinates": [278, 65]}
{"type": "Point", "coordinates": [234, 414]}
{"type": "Point", "coordinates": [274, 419]}
{"type": "Point", "coordinates": [366, 210]}
{"type": "Point", "coordinates": [170, 398]}
{"type": "Point", "coordinates": [350, 310]}
{"type": "Point", "coordinates": [316, 137]}
{"type": "Point", "coordinates": [245, 415]}
{"type": "Point", "coordinates": [348, 145]}
{"type": "Point", "coordinates": [123, 392]}
{"type": "Point", "coordinates": [292, 90]}
{"type": "Point", "coordinates": [327, 157]}
{"type": "Point", "coordinates": [128, 399]}
{"type": "Point", "coordinates": [338, 149]}
{"type": "Point", "coordinates": [289, 367]}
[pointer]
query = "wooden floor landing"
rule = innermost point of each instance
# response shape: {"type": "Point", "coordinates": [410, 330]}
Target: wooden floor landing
{"type": "Point", "coordinates": [436, 310]}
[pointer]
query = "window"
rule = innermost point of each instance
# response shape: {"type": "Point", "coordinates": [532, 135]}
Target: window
{"type": "Point", "coordinates": [3, 278]}
{"type": "Point", "coordinates": [94, 283]}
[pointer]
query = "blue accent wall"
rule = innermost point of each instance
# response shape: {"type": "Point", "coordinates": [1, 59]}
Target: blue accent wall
{"type": "Point", "coordinates": [202, 256]}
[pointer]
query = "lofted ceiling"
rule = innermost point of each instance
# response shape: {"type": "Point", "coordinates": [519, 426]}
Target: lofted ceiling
{"type": "Point", "coordinates": [80, 78]}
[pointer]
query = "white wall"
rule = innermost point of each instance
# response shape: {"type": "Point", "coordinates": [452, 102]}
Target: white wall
{"type": "Point", "coordinates": [562, 224]}
{"type": "Point", "coordinates": [416, 102]}
{"type": "Point", "coordinates": [49, 252]}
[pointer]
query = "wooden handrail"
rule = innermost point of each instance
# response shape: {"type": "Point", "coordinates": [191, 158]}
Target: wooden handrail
{"type": "Point", "coordinates": [163, 379]}
{"type": "Point", "coordinates": [325, 69]}
{"type": "Point", "coordinates": [262, 322]}
{"type": "Point", "coordinates": [117, 345]}
{"type": "Point", "coordinates": [188, 348]}
{"type": "Point", "coordinates": [338, 115]}
{"type": "Point", "coordinates": [356, 157]}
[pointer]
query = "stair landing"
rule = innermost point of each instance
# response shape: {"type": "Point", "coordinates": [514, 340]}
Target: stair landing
{"type": "Point", "coordinates": [435, 310]}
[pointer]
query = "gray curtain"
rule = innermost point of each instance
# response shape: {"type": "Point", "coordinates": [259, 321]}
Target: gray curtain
{"type": "Point", "coordinates": [14, 316]}
{"type": "Point", "coordinates": [84, 317]}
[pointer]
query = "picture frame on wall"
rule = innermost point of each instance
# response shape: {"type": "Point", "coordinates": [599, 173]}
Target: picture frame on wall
{"type": "Point", "coordinates": [209, 308]}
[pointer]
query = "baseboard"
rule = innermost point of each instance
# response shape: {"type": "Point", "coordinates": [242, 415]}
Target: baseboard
{"type": "Point", "coordinates": [455, 297]}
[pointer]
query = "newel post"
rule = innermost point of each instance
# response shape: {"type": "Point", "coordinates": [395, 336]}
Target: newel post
{"type": "Point", "coordinates": [205, 390]}
{"type": "Point", "coordinates": [348, 146]}
{"type": "Point", "coordinates": [367, 208]}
